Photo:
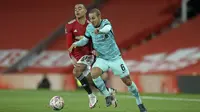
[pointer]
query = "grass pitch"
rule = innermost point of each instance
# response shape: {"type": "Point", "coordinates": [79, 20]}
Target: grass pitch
{"type": "Point", "coordinates": [37, 101]}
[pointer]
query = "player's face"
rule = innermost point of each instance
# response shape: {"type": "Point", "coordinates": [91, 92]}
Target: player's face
{"type": "Point", "coordinates": [94, 19]}
{"type": "Point", "coordinates": [80, 11]}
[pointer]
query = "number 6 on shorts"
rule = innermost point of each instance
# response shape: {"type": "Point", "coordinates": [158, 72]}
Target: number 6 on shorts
{"type": "Point", "coordinates": [119, 67]}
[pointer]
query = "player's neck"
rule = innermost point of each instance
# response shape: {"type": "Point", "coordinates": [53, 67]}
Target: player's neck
{"type": "Point", "coordinates": [81, 20]}
{"type": "Point", "coordinates": [99, 24]}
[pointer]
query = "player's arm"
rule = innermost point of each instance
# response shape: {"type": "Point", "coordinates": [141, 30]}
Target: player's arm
{"type": "Point", "coordinates": [81, 42]}
{"type": "Point", "coordinates": [106, 29]}
{"type": "Point", "coordinates": [69, 36]}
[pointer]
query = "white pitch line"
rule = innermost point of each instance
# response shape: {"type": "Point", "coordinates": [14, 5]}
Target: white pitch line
{"type": "Point", "coordinates": [162, 98]}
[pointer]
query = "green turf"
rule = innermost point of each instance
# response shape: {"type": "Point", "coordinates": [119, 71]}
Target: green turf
{"type": "Point", "coordinates": [37, 101]}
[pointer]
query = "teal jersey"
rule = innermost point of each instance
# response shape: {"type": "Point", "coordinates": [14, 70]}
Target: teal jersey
{"type": "Point", "coordinates": [104, 44]}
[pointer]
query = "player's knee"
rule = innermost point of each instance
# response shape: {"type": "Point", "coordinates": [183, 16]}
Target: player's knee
{"type": "Point", "coordinates": [80, 67]}
{"type": "Point", "coordinates": [127, 80]}
{"type": "Point", "coordinates": [78, 70]}
{"type": "Point", "coordinates": [76, 73]}
{"type": "Point", "coordinates": [96, 72]}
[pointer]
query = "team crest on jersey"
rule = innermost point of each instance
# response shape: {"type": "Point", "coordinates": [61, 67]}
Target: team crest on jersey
{"type": "Point", "coordinates": [72, 21]}
{"type": "Point", "coordinates": [75, 30]}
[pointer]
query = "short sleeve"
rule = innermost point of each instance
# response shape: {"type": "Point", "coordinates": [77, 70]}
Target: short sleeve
{"type": "Point", "coordinates": [68, 34]}
{"type": "Point", "coordinates": [68, 28]}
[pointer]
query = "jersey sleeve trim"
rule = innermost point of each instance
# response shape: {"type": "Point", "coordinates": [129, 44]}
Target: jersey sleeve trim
{"type": "Point", "coordinates": [106, 24]}
{"type": "Point", "coordinates": [88, 37]}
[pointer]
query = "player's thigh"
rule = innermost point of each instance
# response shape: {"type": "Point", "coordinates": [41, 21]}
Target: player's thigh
{"type": "Point", "coordinates": [99, 67]}
{"type": "Point", "coordinates": [86, 60]}
{"type": "Point", "coordinates": [119, 67]}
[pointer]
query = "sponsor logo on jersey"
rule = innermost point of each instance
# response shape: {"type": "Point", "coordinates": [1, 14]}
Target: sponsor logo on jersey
{"type": "Point", "coordinates": [75, 30]}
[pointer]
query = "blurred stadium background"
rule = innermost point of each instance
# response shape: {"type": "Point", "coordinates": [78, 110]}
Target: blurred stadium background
{"type": "Point", "coordinates": [159, 39]}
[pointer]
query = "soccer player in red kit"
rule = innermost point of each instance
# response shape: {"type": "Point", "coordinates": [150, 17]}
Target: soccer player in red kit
{"type": "Point", "coordinates": [82, 57]}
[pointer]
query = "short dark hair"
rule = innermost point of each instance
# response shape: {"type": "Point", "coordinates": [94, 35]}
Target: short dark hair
{"type": "Point", "coordinates": [95, 10]}
{"type": "Point", "coordinates": [82, 5]}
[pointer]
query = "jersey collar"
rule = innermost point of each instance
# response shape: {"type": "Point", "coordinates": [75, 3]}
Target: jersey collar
{"type": "Point", "coordinates": [99, 25]}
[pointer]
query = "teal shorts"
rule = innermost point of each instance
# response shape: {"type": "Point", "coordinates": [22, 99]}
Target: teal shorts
{"type": "Point", "coordinates": [117, 66]}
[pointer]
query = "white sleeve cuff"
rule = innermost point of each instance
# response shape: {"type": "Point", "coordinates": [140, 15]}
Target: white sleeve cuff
{"type": "Point", "coordinates": [105, 29]}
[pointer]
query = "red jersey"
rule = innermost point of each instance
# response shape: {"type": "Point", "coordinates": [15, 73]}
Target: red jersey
{"type": "Point", "coordinates": [73, 29]}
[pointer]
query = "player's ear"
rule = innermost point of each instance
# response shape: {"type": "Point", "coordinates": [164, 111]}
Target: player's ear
{"type": "Point", "coordinates": [99, 16]}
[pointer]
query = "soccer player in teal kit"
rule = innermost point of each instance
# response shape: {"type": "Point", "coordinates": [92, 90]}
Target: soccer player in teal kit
{"type": "Point", "coordinates": [108, 56]}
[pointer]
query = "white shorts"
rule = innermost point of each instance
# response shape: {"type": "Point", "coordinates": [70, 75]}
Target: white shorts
{"type": "Point", "coordinates": [87, 60]}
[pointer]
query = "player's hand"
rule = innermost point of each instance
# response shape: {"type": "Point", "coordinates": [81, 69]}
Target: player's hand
{"type": "Point", "coordinates": [78, 37]}
{"type": "Point", "coordinates": [95, 53]}
{"type": "Point", "coordinates": [71, 47]}
{"type": "Point", "coordinates": [96, 31]}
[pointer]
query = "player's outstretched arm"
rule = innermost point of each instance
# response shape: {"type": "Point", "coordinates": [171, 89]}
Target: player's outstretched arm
{"type": "Point", "coordinates": [81, 42]}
